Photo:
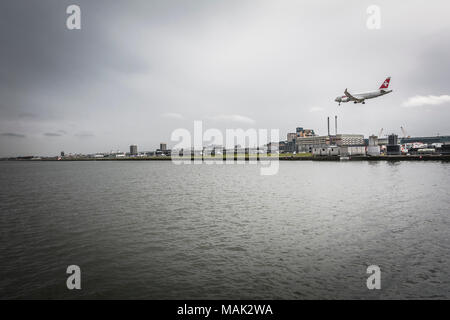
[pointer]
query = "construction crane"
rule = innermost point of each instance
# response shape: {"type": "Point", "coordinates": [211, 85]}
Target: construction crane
{"type": "Point", "coordinates": [405, 135]}
{"type": "Point", "coordinates": [379, 134]}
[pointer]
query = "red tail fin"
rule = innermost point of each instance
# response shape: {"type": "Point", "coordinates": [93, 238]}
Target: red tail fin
{"type": "Point", "coordinates": [385, 84]}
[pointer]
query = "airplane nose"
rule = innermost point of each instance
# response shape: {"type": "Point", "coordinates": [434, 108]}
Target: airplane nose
{"type": "Point", "coordinates": [337, 99]}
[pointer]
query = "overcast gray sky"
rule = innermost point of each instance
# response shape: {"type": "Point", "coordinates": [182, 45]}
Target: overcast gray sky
{"type": "Point", "coordinates": [137, 70]}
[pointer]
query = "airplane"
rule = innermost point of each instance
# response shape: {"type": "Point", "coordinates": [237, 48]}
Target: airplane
{"type": "Point", "coordinates": [361, 97]}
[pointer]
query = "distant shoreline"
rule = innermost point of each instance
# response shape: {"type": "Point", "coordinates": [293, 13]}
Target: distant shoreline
{"type": "Point", "coordinates": [242, 158]}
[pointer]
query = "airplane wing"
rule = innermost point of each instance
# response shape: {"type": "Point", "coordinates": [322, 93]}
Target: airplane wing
{"type": "Point", "coordinates": [352, 97]}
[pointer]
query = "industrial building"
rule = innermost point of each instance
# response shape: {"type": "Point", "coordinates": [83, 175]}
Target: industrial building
{"type": "Point", "coordinates": [348, 139]}
{"type": "Point", "coordinates": [133, 150]}
{"type": "Point", "coordinates": [307, 144]}
{"type": "Point", "coordinates": [352, 150]}
{"type": "Point", "coordinates": [393, 148]}
{"type": "Point", "coordinates": [291, 143]}
{"type": "Point", "coordinates": [445, 149]}
{"type": "Point", "coordinates": [291, 136]}
{"type": "Point", "coordinates": [374, 148]}
{"type": "Point", "coordinates": [163, 150]}
{"type": "Point", "coordinates": [305, 140]}
{"type": "Point", "coordinates": [326, 151]}
{"type": "Point", "coordinates": [300, 132]}
{"type": "Point", "coordinates": [329, 144]}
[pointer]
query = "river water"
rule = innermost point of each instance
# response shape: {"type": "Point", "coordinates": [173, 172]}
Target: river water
{"type": "Point", "coordinates": [155, 230]}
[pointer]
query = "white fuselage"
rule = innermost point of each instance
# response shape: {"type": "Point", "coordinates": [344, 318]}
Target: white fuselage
{"type": "Point", "coordinates": [370, 94]}
{"type": "Point", "coordinates": [363, 96]}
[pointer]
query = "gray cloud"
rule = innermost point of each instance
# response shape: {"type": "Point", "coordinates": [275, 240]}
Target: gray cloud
{"type": "Point", "coordinates": [13, 135]}
{"type": "Point", "coordinates": [430, 100]}
{"type": "Point", "coordinates": [269, 61]}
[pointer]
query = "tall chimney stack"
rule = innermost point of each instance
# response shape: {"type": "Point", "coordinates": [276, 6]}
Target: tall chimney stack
{"type": "Point", "coordinates": [328, 121]}
{"type": "Point", "coordinates": [335, 125]}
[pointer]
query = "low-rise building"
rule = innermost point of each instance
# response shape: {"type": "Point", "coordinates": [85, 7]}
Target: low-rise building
{"type": "Point", "coordinates": [306, 144]}
{"type": "Point", "coordinates": [291, 136]}
{"type": "Point", "coordinates": [341, 144]}
{"type": "Point", "coordinates": [445, 149]}
{"type": "Point", "coordinates": [304, 132]}
{"type": "Point", "coordinates": [133, 150]}
{"type": "Point", "coordinates": [352, 151]}
{"type": "Point", "coordinates": [373, 149]}
{"type": "Point", "coordinates": [325, 151]}
{"type": "Point", "coordinates": [393, 148]}
{"type": "Point", "coordinates": [348, 139]}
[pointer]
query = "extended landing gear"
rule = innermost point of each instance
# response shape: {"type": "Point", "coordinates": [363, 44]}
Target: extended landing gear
{"type": "Point", "coordinates": [363, 102]}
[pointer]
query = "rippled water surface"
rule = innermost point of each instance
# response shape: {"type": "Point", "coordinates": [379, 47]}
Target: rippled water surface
{"type": "Point", "coordinates": [147, 229]}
